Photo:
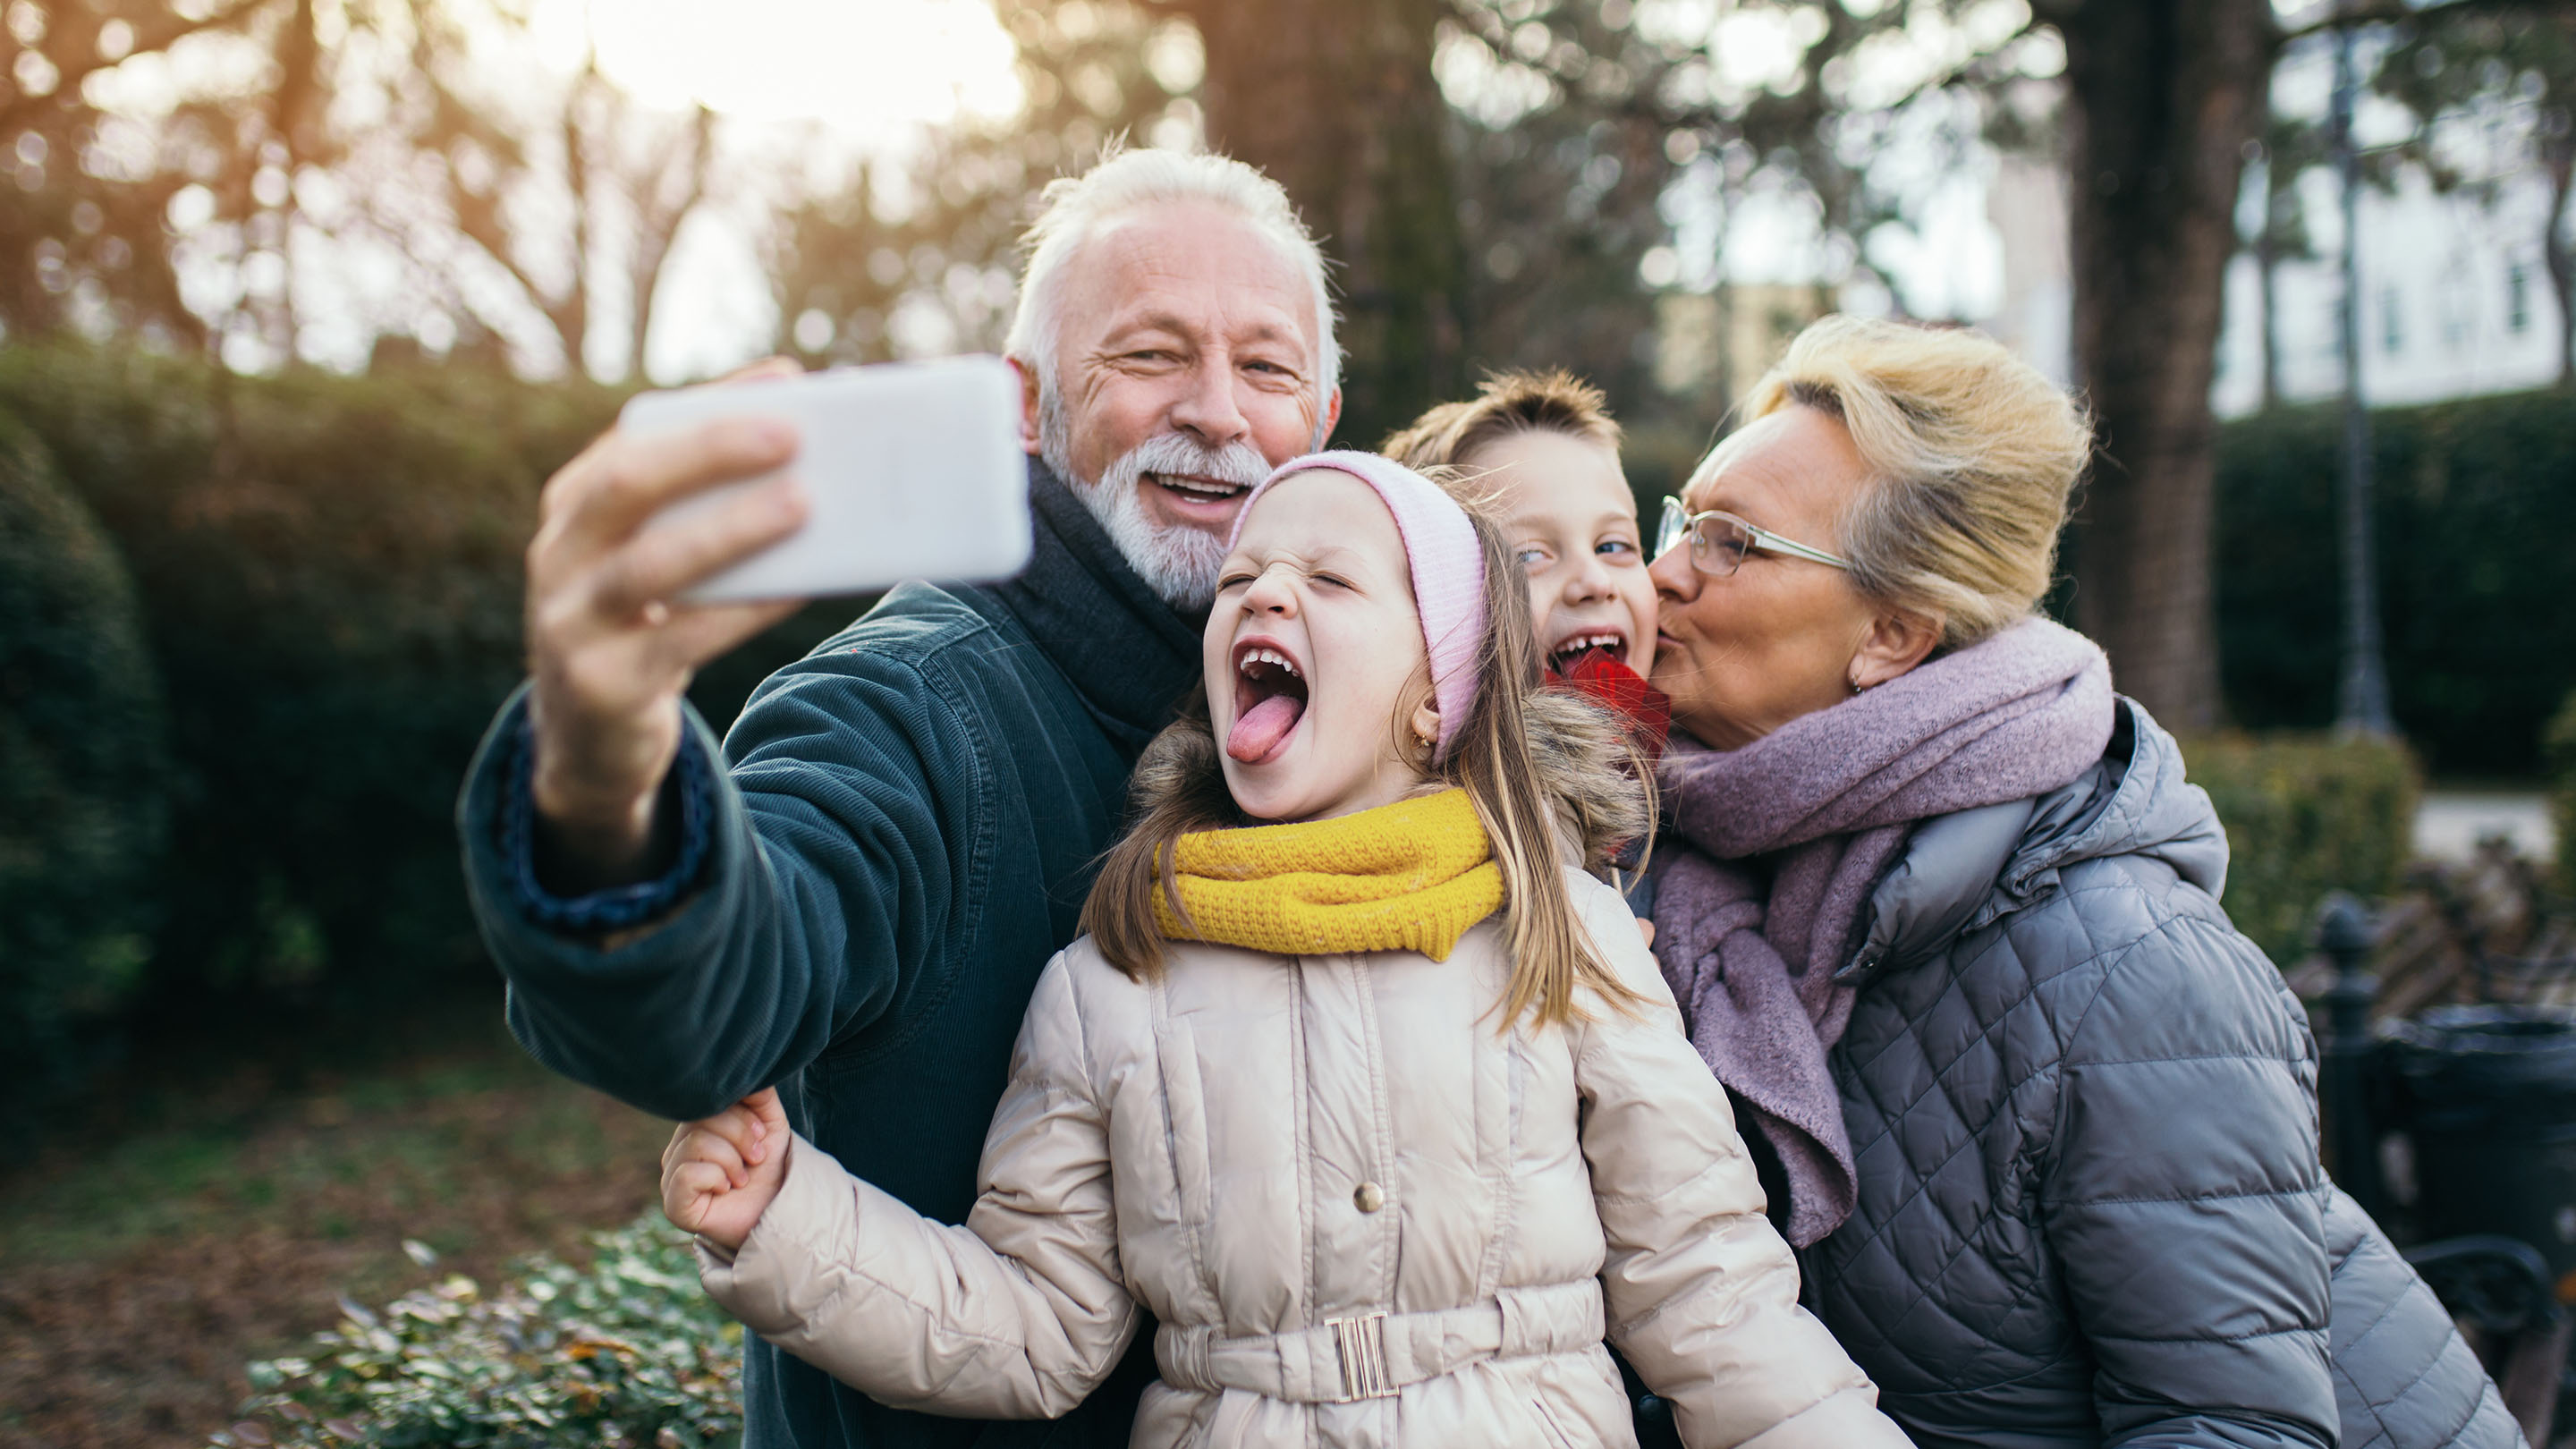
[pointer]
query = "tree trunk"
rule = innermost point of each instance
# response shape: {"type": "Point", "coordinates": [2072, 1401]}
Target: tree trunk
{"type": "Point", "coordinates": [2163, 96]}
{"type": "Point", "coordinates": [1336, 101]}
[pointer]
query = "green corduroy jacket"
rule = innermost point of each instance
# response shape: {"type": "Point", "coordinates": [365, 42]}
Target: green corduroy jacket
{"type": "Point", "coordinates": [899, 838]}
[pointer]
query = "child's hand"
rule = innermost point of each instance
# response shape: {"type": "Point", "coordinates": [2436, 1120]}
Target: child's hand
{"type": "Point", "coordinates": [720, 1174]}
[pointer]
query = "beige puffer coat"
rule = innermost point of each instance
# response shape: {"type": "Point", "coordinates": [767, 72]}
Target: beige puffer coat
{"type": "Point", "coordinates": [1360, 1215]}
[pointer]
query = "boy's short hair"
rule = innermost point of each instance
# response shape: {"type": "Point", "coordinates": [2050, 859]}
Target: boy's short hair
{"type": "Point", "coordinates": [1506, 404]}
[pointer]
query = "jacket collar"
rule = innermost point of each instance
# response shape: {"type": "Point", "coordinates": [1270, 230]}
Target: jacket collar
{"type": "Point", "coordinates": [2136, 802]}
{"type": "Point", "coordinates": [1129, 655]}
{"type": "Point", "coordinates": [1958, 872]}
{"type": "Point", "coordinates": [1948, 869]}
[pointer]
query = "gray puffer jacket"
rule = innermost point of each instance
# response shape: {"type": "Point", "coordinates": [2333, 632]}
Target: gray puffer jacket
{"type": "Point", "coordinates": [2084, 1112]}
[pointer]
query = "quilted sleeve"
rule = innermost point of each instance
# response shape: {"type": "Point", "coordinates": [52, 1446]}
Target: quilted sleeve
{"type": "Point", "coordinates": [2403, 1374]}
{"type": "Point", "coordinates": [1017, 1315]}
{"type": "Point", "coordinates": [2183, 1199]}
{"type": "Point", "coordinates": [1702, 1291]}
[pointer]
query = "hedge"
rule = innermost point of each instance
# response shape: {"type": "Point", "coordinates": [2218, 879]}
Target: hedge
{"type": "Point", "coordinates": [328, 568]}
{"type": "Point", "coordinates": [627, 1353]}
{"type": "Point", "coordinates": [329, 571]}
{"type": "Point", "coordinates": [2476, 514]}
{"type": "Point", "coordinates": [2305, 815]}
{"type": "Point", "coordinates": [83, 770]}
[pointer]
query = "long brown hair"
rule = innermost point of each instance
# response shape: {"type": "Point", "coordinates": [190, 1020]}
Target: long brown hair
{"type": "Point", "coordinates": [1551, 775]}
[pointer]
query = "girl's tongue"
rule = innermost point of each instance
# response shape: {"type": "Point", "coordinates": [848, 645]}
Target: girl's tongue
{"type": "Point", "coordinates": [1262, 730]}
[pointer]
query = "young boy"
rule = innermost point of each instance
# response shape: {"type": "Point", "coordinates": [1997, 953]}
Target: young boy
{"type": "Point", "coordinates": [1544, 446]}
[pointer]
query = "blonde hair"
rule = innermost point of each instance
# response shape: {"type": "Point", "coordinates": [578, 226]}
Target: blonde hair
{"type": "Point", "coordinates": [1506, 404]}
{"type": "Point", "coordinates": [1972, 455]}
{"type": "Point", "coordinates": [1547, 770]}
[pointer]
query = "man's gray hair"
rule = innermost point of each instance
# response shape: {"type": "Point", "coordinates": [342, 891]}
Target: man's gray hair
{"type": "Point", "coordinates": [1075, 207]}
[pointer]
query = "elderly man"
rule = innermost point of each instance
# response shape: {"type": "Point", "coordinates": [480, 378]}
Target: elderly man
{"type": "Point", "coordinates": [854, 897]}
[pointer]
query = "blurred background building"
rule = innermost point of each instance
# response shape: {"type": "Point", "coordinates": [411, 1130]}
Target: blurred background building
{"type": "Point", "coordinates": [2455, 259]}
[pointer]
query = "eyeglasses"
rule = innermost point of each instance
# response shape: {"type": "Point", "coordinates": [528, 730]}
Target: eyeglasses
{"type": "Point", "coordinates": [1719, 540]}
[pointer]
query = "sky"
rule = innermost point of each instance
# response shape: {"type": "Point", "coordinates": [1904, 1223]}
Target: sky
{"type": "Point", "coordinates": [824, 81]}
{"type": "Point", "coordinates": [865, 69]}
{"type": "Point", "coordinates": [871, 75]}
{"type": "Point", "coordinates": [867, 75]}
{"type": "Point", "coordinates": [834, 79]}
{"type": "Point", "coordinates": [872, 72]}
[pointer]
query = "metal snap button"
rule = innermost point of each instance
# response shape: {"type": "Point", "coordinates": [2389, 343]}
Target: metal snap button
{"type": "Point", "coordinates": [1368, 1197]}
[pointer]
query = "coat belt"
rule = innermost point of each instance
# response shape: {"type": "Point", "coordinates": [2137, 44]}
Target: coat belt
{"type": "Point", "coordinates": [1370, 1355]}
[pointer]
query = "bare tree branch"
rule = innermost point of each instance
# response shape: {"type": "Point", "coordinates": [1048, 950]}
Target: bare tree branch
{"type": "Point", "coordinates": [659, 214]}
{"type": "Point", "coordinates": [1808, 105]}
{"type": "Point", "coordinates": [149, 36]}
{"type": "Point", "coordinates": [2385, 12]}
{"type": "Point", "coordinates": [478, 211]}
{"type": "Point", "coordinates": [571, 313]}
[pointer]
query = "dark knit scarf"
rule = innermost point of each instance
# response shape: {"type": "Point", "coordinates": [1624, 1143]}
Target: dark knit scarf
{"type": "Point", "coordinates": [1787, 837]}
{"type": "Point", "coordinates": [1131, 656]}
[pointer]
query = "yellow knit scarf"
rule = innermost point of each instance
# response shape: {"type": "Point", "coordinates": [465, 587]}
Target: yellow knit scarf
{"type": "Point", "coordinates": [1410, 876]}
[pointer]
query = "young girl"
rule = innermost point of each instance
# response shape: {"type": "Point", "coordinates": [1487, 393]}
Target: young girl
{"type": "Point", "coordinates": [1382, 1111]}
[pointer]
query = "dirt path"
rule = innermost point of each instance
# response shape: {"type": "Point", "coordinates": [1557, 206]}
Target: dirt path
{"type": "Point", "coordinates": [138, 1276]}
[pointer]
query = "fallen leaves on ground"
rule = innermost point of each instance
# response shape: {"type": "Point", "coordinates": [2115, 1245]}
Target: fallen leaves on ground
{"type": "Point", "coordinates": [137, 1278]}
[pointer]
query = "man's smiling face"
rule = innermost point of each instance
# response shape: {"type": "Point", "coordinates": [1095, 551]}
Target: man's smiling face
{"type": "Point", "coordinates": [1183, 327]}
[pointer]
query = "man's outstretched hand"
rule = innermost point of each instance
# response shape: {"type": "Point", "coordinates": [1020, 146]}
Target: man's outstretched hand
{"type": "Point", "coordinates": [611, 646]}
{"type": "Point", "coordinates": [719, 1175]}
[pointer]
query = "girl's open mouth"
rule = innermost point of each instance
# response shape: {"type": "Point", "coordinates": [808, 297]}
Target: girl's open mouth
{"type": "Point", "coordinates": [1269, 700]}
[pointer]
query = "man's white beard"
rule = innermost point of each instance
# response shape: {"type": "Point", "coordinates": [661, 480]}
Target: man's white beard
{"type": "Point", "coordinates": [1178, 562]}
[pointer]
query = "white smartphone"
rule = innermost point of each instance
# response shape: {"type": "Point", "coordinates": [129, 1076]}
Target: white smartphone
{"type": "Point", "coordinates": [914, 470]}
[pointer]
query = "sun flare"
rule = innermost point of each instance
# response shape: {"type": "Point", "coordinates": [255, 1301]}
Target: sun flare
{"type": "Point", "coordinates": [863, 68]}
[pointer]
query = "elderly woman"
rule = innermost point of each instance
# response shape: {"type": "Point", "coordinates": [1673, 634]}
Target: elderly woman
{"type": "Point", "coordinates": [1943, 914]}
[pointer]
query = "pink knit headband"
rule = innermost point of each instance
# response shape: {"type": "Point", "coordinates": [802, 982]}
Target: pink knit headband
{"type": "Point", "coordinates": [1448, 571]}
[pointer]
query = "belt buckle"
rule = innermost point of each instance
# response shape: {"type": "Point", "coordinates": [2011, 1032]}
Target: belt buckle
{"type": "Point", "coordinates": [1361, 1340]}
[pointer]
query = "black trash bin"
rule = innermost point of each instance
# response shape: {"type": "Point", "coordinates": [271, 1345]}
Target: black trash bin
{"type": "Point", "coordinates": [2489, 1095]}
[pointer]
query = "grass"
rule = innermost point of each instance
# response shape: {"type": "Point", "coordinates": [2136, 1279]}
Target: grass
{"type": "Point", "coordinates": [145, 1259]}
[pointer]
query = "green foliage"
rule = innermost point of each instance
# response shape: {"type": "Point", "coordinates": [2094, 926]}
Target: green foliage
{"type": "Point", "coordinates": [2476, 525]}
{"type": "Point", "coordinates": [2558, 747]}
{"type": "Point", "coordinates": [2469, 66]}
{"type": "Point", "coordinates": [83, 767]}
{"type": "Point", "coordinates": [329, 571]}
{"type": "Point", "coordinates": [2305, 815]}
{"type": "Point", "coordinates": [626, 1352]}
{"type": "Point", "coordinates": [329, 576]}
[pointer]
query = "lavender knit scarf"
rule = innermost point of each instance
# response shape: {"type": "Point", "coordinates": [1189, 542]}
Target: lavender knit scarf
{"type": "Point", "coordinates": [1791, 833]}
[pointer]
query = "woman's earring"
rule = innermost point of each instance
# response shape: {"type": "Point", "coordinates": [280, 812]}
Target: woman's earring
{"type": "Point", "coordinates": [1856, 685]}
